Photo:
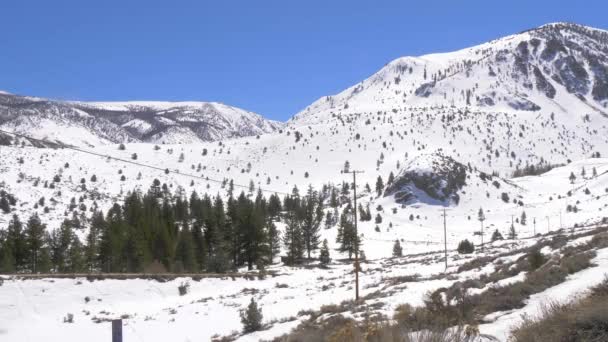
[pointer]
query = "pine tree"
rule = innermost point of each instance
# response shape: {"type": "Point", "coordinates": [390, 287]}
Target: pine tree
{"type": "Point", "coordinates": [16, 243]}
{"type": "Point", "coordinates": [347, 237]}
{"type": "Point", "coordinates": [572, 177]}
{"type": "Point", "coordinates": [333, 199]}
{"type": "Point", "coordinates": [329, 220]}
{"type": "Point", "coordinates": [76, 258]}
{"type": "Point", "coordinates": [397, 250]}
{"type": "Point", "coordinates": [35, 240]}
{"type": "Point", "coordinates": [293, 240]}
{"type": "Point", "coordinates": [185, 251]}
{"type": "Point", "coordinates": [391, 178]}
{"type": "Point", "coordinates": [60, 244]}
{"type": "Point", "coordinates": [324, 257]}
{"type": "Point", "coordinates": [379, 186]}
{"type": "Point", "coordinates": [512, 233]}
{"type": "Point", "coordinates": [251, 317]}
{"type": "Point", "coordinates": [312, 212]}
{"type": "Point", "coordinates": [523, 219]}
{"type": "Point", "coordinates": [91, 253]}
{"type": "Point", "coordinates": [274, 206]}
{"type": "Point", "coordinates": [274, 241]}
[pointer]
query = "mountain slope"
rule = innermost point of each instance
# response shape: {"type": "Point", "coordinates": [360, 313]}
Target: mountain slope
{"type": "Point", "coordinates": [93, 123]}
{"type": "Point", "coordinates": [535, 97]}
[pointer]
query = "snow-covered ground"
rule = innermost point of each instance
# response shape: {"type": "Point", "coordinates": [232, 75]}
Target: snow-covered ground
{"type": "Point", "coordinates": [154, 311]}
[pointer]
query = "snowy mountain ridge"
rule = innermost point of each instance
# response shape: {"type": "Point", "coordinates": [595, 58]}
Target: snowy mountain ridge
{"type": "Point", "coordinates": [95, 123]}
{"type": "Point", "coordinates": [557, 67]}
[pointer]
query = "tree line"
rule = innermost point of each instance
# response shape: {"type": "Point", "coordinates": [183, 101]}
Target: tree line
{"type": "Point", "coordinates": [158, 231]}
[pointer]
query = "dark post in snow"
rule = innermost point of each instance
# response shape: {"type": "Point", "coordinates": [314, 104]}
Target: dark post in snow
{"type": "Point", "coordinates": [117, 330]}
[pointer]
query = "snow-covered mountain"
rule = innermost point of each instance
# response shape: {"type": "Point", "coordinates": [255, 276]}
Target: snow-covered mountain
{"type": "Point", "coordinates": [94, 123]}
{"type": "Point", "coordinates": [561, 68]}
{"type": "Point", "coordinates": [537, 96]}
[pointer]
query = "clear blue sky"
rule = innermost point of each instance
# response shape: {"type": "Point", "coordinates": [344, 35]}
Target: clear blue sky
{"type": "Point", "coordinates": [271, 57]}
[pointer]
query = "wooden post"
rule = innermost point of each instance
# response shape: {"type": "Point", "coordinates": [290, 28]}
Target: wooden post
{"type": "Point", "coordinates": [117, 330]}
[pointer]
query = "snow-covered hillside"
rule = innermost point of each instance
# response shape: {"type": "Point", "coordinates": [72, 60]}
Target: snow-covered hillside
{"type": "Point", "coordinates": [95, 123]}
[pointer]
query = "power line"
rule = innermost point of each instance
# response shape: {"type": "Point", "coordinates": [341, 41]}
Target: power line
{"type": "Point", "coordinates": [140, 164]}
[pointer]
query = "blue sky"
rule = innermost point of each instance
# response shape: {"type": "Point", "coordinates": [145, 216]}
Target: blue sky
{"type": "Point", "coordinates": [271, 57]}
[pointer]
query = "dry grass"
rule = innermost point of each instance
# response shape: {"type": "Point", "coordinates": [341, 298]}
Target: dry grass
{"type": "Point", "coordinates": [584, 320]}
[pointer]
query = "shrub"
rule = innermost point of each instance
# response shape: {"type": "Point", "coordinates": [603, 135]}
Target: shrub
{"type": "Point", "coordinates": [465, 247]}
{"type": "Point", "coordinates": [496, 236]}
{"type": "Point", "coordinates": [535, 258]}
{"type": "Point", "coordinates": [69, 318]}
{"type": "Point", "coordinates": [251, 317]}
{"type": "Point", "coordinates": [183, 288]}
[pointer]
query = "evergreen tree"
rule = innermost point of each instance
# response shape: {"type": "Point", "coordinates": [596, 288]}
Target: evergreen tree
{"type": "Point", "coordinates": [465, 247]}
{"type": "Point", "coordinates": [35, 240]}
{"type": "Point", "coordinates": [251, 317]}
{"type": "Point", "coordinates": [312, 211]}
{"type": "Point", "coordinates": [379, 186]}
{"type": "Point", "coordinates": [523, 218]}
{"type": "Point", "coordinates": [496, 236]}
{"type": "Point", "coordinates": [572, 177]}
{"type": "Point", "coordinates": [512, 233]}
{"type": "Point", "coordinates": [185, 255]}
{"type": "Point", "coordinates": [274, 241]}
{"type": "Point", "coordinates": [391, 178]}
{"type": "Point", "coordinates": [274, 206]}
{"type": "Point", "coordinates": [333, 199]}
{"type": "Point", "coordinates": [347, 237]}
{"type": "Point", "coordinates": [76, 257]}
{"type": "Point", "coordinates": [329, 220]}
{"type": "Point", "coordinates": [91, 253]}
{"type": "Point", "coordinates": [60, 244]}
{"type": "Point", "coordinates": [293, 240]}
{"type": "Point", "coordinates": [397, 250]}
{"type": "Point", "coordinates": [16, 243]}
{"type": "Point", "coordinates": [324, 257]}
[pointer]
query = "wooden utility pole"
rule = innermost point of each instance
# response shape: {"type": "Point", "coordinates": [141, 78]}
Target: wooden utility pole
{"type": "Point", "coordinates": [117, 330]}
{"type": "Point", "coordinates": [445, 240]}
{"type": "Point", "coordinates": [354, 172]}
